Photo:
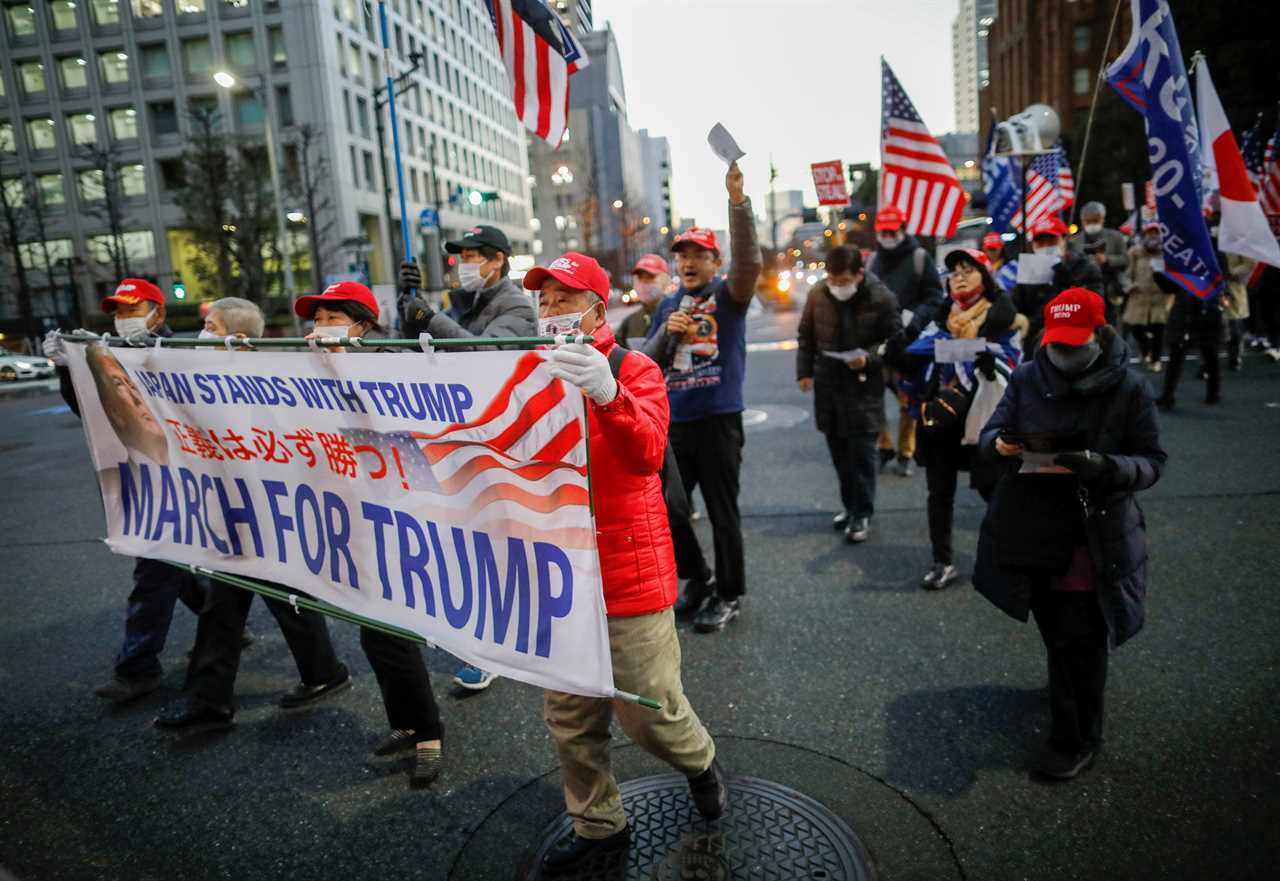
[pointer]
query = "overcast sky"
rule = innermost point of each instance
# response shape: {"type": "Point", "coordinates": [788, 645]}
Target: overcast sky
{"type": "Point", "coordinates": [796, 78]}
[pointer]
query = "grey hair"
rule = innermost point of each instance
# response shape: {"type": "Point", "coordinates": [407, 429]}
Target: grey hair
{"type": "Point", "coordinates": [240, 316]}
{"type": "Point", "coordinates": [1093, 209]}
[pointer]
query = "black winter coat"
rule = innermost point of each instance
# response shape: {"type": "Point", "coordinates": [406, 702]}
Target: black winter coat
{"type": "Point", "coordinates": [1073, 271]}
{"type": "Point", "coordinates": [1111, 405]}
{"type": "Point", "coordinates": [846, 401]}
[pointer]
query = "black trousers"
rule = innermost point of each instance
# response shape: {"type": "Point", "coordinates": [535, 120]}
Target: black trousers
{"type": "Point", "coordinates": [856, 460]}
{"type": "Point", "coordinates": [1150, 339]}
{"type": "Point", "coordinates": [1178, 357]}
{"type": "Point", "coordinates": [1075, 641]}
{"type": "Point", "coordinates": [691, 564]}
{"type": "Point", "coordinates": [157, 588]}
{"type": "Point", "coordinates": [215, 661]}
{"type": "Point", "coordinates": [709, 452]}
{"type": "Point", "coordinates": [404, 682]}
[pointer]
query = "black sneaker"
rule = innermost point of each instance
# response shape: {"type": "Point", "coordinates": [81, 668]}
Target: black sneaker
{"type": "Point", "coordinates": [859, 530]}
{"type": "Point", "coordinates": [1062, 766]}
{"type": "Point", "coordinates": [427, 761]}
{"type": "Point", "coordinates": [710, 795]}
{"type": "Point", "coordinates": [303, 695]}
{"type": "Point", "coordinates": [695, 593]}
{"type": "Point", "coordinates": [398, 741]}
{"type": "Point", "coordinates": [577, 854]}
{"type": "Point", "coordinates": [121, 691]}
{"type": "Point", "coordinates": [886, 459]}
{"type": "Point", "coordinates": [193, 719]}
{"type": "Point", "coordinates": [941, 576]}
{"type": "Point", "coordinates": [906, 467]}
{"type": "Point", "coordinates": [840, 521]}
{"type": "Point", "coordinates": [715, 614]}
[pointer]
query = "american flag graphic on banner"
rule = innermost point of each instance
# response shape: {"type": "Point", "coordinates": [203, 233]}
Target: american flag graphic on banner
{"type": "Point", "coordinates": [540, 54]}
{"type": "Point", "coordinates": [1051, 188]}
{"type": "Point", "coordinates": [915, 174]}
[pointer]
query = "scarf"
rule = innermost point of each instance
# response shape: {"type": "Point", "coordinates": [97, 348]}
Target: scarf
{"type": "Point", "coordinates": [964, 323]}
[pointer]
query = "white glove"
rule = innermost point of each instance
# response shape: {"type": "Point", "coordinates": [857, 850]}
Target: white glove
{"type": "Point", "coordinates": [53, 348]}
{"type": "Point", "coordinates": [586, 368]}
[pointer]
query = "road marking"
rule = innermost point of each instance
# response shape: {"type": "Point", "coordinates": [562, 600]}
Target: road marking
{"type": "Point", "coordinates": [753, 417]}
{"type": "Point", "coordinates": [778, 346]}
{"type": "Point", "coordinates": [50, 411]}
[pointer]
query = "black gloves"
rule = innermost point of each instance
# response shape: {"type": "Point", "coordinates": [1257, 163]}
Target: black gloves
{"type": "Point", "coordinates": [410, 278]}
{"type": "Point", "coordinates": [1089, 467]}
{"type": "Point", "coordinates": [415, 311]}
{"type": "Point", "coordinates": [985, 362]}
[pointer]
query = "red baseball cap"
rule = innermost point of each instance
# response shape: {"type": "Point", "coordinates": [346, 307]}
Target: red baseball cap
{"type": "Point", "coordinates": [338, 292]}
{"type": "Point", "coordinates": [1150, 224]}
{"type": "Point", "coordinates": [1048, 226]}
{"type": "Point", "coordinates": [954, 257]}
{"type": "Point", "coordinates": [699, 237]}
{"type": "Point", "coordinates": [890, 218]}
{"type": "Point", "coordinates": [130, 291]}
{"type": "Point", "coordinates": [992, 240]}
{"type": "Point", "coordinates": [654, 264]}
{"type": "Point", "coordinates": [1071, 316]}
{"type": "Point", "coordinates": [573, 270]}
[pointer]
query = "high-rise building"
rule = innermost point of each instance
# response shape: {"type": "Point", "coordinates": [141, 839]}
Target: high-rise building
{"type": "Point", "coordinates": [575, 13]}
{"type": "Point", "coordinates": [970, 70]}
{"type": "Point", "coordinates": [656, 153]}
{"type": "Point", "coordinates": [123, 74]}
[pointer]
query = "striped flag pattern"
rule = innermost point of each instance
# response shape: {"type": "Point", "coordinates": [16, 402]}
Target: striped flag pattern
{"type": "Point", "coordinates": [915, 174]}
{"type": "Point", "coordinates": [1251, 149]}
{"type": "Point", "coordinates": [1269, 179]}
{"type": "Point", "coordinates": [540, 54]}
{"type": "Point", "coordinates": [1050, 188]}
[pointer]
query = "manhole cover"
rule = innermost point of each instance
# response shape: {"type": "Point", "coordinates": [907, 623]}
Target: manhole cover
{"type": "Point", "coordinates": [770, 833]}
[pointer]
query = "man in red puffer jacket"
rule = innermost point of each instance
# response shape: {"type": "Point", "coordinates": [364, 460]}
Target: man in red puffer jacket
{"type": "Point", "coordinates": [627, 420]}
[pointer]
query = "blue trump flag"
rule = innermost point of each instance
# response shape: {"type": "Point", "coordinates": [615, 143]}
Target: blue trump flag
{"type": "Point", "coordinates": [1151, 76]}
{"type": "Point", "coordinates": [1001, 184]}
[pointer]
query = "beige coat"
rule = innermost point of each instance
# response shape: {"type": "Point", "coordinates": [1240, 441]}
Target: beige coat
{"type": "Point", "coordinates": [1235, 303]}
{"type": "Point", "coordinates": [1147, 304]}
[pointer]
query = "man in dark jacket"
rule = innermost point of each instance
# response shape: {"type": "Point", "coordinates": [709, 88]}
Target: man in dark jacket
{"type": "Point", "coordinates": [1048, 238]}
{"type": "Point", "coordinates": [699, 337]}
{"type": "Point", "coordinates": [846, 319]}
{"type": "Point", "coordinates": [1109, 248]}
{"type": "Point", "coordinates": [1071, 546]}
{"type": "Point", "coordinates": [139, 313]}
{"type": "Point", "coordinates": [910, 273]}
{"type": "Point", "coordinates": [500, 307]}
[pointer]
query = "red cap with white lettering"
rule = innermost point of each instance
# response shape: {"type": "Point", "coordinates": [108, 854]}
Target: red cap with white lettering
{"type": "Point", "coordinates": [1072, 316]}
{"type": "Point", "coordinates": [573, 270]}
{"type": "Point", "coordinates": [130, 291]}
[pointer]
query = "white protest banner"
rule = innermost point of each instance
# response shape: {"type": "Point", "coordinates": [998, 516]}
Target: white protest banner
{"type": "Point", "coordinates": [446, 494]}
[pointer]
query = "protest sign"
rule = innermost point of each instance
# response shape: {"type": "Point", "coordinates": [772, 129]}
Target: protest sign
{"type": "Point", "coordinates": [828, 180]}
{"type": "Point", "coordinates": [446, 494]}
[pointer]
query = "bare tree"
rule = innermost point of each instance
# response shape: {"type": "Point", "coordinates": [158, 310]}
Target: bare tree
{"type": "Point", "coordinates": [204, 197]}
{"type": "Point", "coordinates": [110, 208]}
{"type": "Point", "coordinates": [37, 211]}
{"type": "Point", "coordinates": [308, 180]}
{"type": "Point", "coordinates": [254, 234]}
{"type": "Point", "coordinates": [14, 227]}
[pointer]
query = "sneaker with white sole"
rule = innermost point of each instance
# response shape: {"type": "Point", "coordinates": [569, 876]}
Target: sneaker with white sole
{"type": "Point", "coordinates": [941, 576]}
{"type": "Point", "coordinates": [473, 678]}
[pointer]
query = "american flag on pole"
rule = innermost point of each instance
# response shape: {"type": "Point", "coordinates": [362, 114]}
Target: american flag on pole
{"type": "Point", "coordinates": [1251, 147]}
{"type": "Point", "coordinates": [1051, 188]}
{"type": "Point", "coordinates": [915, 174]}
{"type": "Point", "coordinates": [1269, 177]}
{"type": "Point", "coordinates": [540, 54]}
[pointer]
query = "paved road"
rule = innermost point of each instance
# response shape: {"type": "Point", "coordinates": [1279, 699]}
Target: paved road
{"type": "Point", "coordinates": [911, 715]}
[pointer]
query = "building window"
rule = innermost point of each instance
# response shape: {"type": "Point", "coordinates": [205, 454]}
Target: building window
{"type": "Point", "coordinates": [275, 44]}
{"type": "Point", "coordinates": [1081, 36]}
{"type": "Point", "coordinates": [124, 124]}
{"type": "Point", "coordinates": [63, 15]}
{"type": "Point", "coordinates": [114, 67]}
{"type": "Point", "coordinates": [31, 75]}
{"type": "Point", "coordinates": [139, 245]}
{"type": "Point", "coordinates": [155, 63]}
{"type": "Point", "coordinates": [105, 12]}
{"type": "Point", "coordinates": [190, 7]}
{"type": "Point", "coordinates": [22, 20]}
{"type": "Point", "coordinates": [164, 118]}
{"type": "Point", "coordinates": [51, 193]}
{"type": "Point", "coordinates": [173, 174]}
{"type": "Point", "coordinates": [235, 7]}
{"type": "Point", "coordinates": [133, 181]}
{"type": "Point", "coordinates": [1082, 81]}
{"type": "Point", "coordinates": [342, 56]}
{"type": "Point", "coordinates": [41, 134]}
{"type": "Point", "coordinates": [39, 255]}
{"type": "Point", "coordinates": [284, 106]}
{"type": "Point", "coordinates": [355, 63]}
{"type": "Point", "coordinates": [147, 11]}
{"type": "Point", "coordinates": [7, 142]}
{"type": "Point", "coordinates": [83, 129]}
{"type": "Point", "coordinates": [197, 57]}
{"type": "Point", "coordinates": [248, 110]}
{"type": "Point", "coordinates": [240, 50]}
{"type": "Point", "coordinates": [90, 185]}
{"type": "Point", "coordinates": [355, 169]}
{"type": "Point", "coordinates": [370, 180]}
{"type": "Point", "coordinates": [74, 72]}
{"type": "Point", "coordinates": [362, 115]}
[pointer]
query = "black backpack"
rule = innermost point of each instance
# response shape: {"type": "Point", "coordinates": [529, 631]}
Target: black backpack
{"type": "Point", "coordinates": [672, 485]}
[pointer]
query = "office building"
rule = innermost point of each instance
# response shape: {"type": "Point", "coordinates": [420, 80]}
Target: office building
{"type": "Point", "coordinates": [970, 68]}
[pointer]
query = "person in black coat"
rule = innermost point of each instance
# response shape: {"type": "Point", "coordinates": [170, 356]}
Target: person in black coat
{"type": "Point", "coordinates": [1070, 546]}
{"type": "Point", "coordinates": [848, 312]}
{"type": "Point", "coordinates": [1074, 269]}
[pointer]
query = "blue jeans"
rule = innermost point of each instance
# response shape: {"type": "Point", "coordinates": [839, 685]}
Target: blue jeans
{"type": "Point", "coordinates": [157, 587]}
{"type": "Point", "coordinates": [856, 460]}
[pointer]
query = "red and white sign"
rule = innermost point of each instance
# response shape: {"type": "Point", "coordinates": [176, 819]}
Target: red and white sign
{"type": "Point", "coordinates": [828, 180]}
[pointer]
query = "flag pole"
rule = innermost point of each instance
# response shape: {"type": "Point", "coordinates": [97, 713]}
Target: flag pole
{"type": "Point", "coordinates": [395, 131]}
{"type": "Point", "coordinates": [1093, 106]}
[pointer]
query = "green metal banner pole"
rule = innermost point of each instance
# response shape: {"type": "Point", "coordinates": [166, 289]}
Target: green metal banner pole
{"type": "Point", "coordinates": [302, 343]}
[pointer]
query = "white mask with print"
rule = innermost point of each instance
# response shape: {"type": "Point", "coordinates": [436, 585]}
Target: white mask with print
{"type": "Point", "coordinates": [561, 325]}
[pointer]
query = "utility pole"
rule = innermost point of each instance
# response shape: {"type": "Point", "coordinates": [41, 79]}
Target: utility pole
{"type": "Point", "coordinates": [773, 206]}
{"type": "Point", "coordinates": [380, 101]}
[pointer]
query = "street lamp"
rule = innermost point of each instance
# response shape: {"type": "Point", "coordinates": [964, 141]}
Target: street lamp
{"type": "Point", "coordinates": [229, 81]}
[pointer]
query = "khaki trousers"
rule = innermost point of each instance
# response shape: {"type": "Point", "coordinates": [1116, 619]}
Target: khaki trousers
{"type": "Point", "coordinates": [906, 432]}
{"type": "Point", "coordinates": [646, 661]}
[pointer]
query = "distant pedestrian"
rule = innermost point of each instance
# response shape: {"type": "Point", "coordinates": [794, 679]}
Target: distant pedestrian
{"type": "Point", "coordinates": [233, 316]}
{"type": "Point", "coordinates": [1071, 269]}
{"type": "Point", "coordinates": [652, 282]}
{"type": "Point", "coordinates": [1070, 547]}
{"type": "Point", "coordinates": [847, 318]}
{"type": "Point", "coordinates": [1003, 269]}
{"type": "Point", "coordinates": [1235, 306]}
{"type": "Point", "coordinates": [1150, 297]}
{"type": "Point", "coordinates": [1106, 247]}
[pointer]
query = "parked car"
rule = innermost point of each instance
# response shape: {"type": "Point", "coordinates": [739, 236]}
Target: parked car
{"type": "Point", "coordinates": [16, 367]}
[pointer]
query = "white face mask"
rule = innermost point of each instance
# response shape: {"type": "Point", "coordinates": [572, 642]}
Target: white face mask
{"type": "Point", "coordinates": [1051, 250]}
{"type": "Point", "coordinates": [843, 292]}
{"type": "Point", "coordinates": [1093, 228]}
{"type": "Point", "coordinates": [648, 292]}
{"type": "Point", "coordinates": [470, 277]}
{"type": "Point", "coordinates": [128, 327]}
{"type": "Point", "coordinates": [338, 330]}
{"type": "Point", "coordinates": [890, 239]}
{"type": "Point", "coordinates": [561, 325]}
{"type": "Point", "coordinates": [208, 335]}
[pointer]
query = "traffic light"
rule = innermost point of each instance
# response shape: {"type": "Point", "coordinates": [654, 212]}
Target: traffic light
{"type": "Point", "coordinates": [179, 290]}
{"type": "Point", "coordinates": [477, 197]}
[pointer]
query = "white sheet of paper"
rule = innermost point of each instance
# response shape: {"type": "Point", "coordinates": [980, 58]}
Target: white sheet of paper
{"type": "Point", "coordinates": [907, 315]}
{"type": "Point", "coordinates": [1157, 264]}
{"type": "Point", "coordinates": [1041, 463]}
{"type": "Point", "coordinates": [1036, 268]}
{"type": "Point", "coordinates": [723, 144]}
{"type": "Point", "coordinates": [958, 351]}
{"type": "Point", "coordinates": [847, 356]}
